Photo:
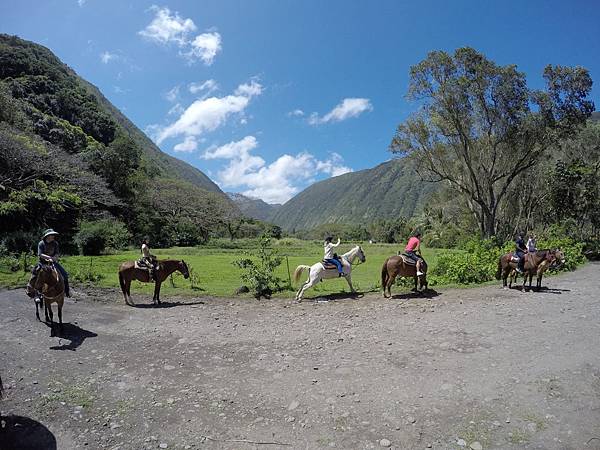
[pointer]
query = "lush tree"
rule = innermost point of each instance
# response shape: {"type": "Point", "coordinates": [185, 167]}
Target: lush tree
{"type": "Point", "coordinates": [480, 126]}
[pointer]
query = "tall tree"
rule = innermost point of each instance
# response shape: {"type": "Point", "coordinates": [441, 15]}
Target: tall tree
{"type": "Point", "coordinates": [480, 126]}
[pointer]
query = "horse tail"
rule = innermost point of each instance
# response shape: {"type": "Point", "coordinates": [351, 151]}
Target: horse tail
{"type": "Point", "coordinates": [384, 275]}
{"type": "Point", "coordinates": [122, 282]}
{"type": "Point", "coordinates": [301, 268]}
{"type": "Point", "coordinates": [499, 271]}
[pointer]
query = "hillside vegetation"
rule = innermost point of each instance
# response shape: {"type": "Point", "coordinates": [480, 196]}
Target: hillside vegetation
{"type": "Point", "coordinates": [390, 190]}
{"type": "Point", "coordinates": [67, 155]}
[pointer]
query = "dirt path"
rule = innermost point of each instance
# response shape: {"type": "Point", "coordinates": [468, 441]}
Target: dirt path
{"type": "Point", "coordinates": [479, 368]}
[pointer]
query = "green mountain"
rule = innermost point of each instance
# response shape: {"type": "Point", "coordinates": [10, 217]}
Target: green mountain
{"type": "Point", "coordinates": [254, 208]}
{"type": "Point", "coordinates": [391, 189]}
{"type": "Point", "coordinates": [68, 155]}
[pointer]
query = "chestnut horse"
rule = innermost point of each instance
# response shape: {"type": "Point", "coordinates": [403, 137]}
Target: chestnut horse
{"type": "Point", "coordinates": [395, 266]}
{"type": "Point", "coordinates": [50, 283]}
{"type": "Point", "coordinates": [128, 272]}
{"type": "Point", "coordinates": [532, 262]}
{"type": "Point", "coordinates": [544, 265]}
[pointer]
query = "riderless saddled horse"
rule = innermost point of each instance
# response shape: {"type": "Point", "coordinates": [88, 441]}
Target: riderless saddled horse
{"type": "Point", "coordinates": [535, 263]}
{"type": "Point", "coordinates": [318, 271]}
{"type": "Point", "coordinates": [403, 266]}
{"type": "Point", "coordinates": [129, 271]}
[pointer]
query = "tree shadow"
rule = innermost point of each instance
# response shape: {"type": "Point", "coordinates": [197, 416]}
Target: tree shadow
{"type": "Point", "coordinates": [167, 304]}
{"type": "Point", "coordinates": [23, 433]}
{"type": "Point", "coordinates": [427, 293]}
{"type": "Point", "coordinates": [76, 335]}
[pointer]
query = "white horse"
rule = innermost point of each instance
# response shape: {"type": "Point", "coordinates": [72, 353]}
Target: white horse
{"type": "Point", "coordinates": [317, 272]}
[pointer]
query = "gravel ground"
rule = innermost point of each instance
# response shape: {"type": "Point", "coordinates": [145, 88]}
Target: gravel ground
{"type": "Point", "coordinates": [474, 368]}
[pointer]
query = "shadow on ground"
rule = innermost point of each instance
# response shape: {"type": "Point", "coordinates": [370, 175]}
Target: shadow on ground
{"type": "Point", "coordinates": [75, 334]}
{"type": "Point", "coordinates": [428, 293]}
{"type": "Point", "coordinates": [167, 304]}
{"type": "Point", "coordinates": [23, 433]}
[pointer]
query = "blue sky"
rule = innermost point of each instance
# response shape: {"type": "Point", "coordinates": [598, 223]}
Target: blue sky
{"type": "Point", "coordinates": [268, 96]}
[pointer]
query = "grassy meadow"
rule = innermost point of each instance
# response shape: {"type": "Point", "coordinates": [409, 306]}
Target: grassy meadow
{"type": "Point", "coordinates": [212, 272]}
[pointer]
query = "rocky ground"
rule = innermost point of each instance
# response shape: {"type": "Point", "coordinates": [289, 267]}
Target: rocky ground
{"type": "Point", "coordinates": [475, 368]}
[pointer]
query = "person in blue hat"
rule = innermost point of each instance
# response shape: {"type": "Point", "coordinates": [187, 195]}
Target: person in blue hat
{"type": "Point", "coordinates": [48, 251]}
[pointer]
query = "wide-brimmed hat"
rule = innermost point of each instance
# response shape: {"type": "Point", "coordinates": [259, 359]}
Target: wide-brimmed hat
{"type": "Point", "coordinates": [49, 232]}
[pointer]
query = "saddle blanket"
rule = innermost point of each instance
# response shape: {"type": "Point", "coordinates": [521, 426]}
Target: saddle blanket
{"type": "Point", "coordinates": [328, 265]}
{"type": "Point", "coordinates": [141, 265]}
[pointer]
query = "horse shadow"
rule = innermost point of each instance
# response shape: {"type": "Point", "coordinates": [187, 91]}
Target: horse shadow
{"type": "Point", "coordinates": [339, 296]}
{"type": "Point", "coordinates": [427, 293]}
{"type": "Point", "coordinates": [75, 334]}
{"type": "Point", "coordinates": [542, 290]}
{"type": "Point", "coordinates": [24, 433]}
{"type": "Point", "coordinates": [164, 304]}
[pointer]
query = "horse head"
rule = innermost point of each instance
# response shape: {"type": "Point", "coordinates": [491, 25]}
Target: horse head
{"type": "Point", "coordinates": [47, 274]}
{"type": "Point", "coordinates": [183, 268]}
{"type": "Point", "coordinates": [558, 258]}
{"type": "Point", "coordinates": [361, 255]}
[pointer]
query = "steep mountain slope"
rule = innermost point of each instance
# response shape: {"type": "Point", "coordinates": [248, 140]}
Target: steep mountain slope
{"type": "Point", "coordinates": [67, 155]}
{"type": "Point", "coordinates": [32, 72]}
{"type": "Point", "coordinates": [391, 189]}
{"type": "Point", "coordinates": [253, 207]}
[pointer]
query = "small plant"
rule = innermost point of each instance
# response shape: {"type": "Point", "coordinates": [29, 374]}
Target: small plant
{"type": "Point", "coordinates": [194, 279]}
{"type": "Point", "coordinates": [85, 274]}
{"type": "Point", "coordinates": [258, 269]}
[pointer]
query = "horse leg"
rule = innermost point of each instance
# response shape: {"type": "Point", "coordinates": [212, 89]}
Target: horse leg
{"type": "Point", "coordinates": [128, 289]}
{"type": "Point", "coordinates": [37, 312]}
{"type": "Point", "coordinates": [156, 298]}
{"type": "Point", "coordinates": [349, 280]}
{"type": "Point", "coordinates": [539, 282]}
{"type": "Point", "coordinates": [307, 285]}
{"type": "Point", "coordinates": [60, 306]}
{"type": "Point", "coordinates": [50, 313]}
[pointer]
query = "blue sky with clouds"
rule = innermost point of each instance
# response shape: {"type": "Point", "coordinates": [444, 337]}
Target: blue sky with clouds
{"type": "Point", "coordinates": [268, 96]}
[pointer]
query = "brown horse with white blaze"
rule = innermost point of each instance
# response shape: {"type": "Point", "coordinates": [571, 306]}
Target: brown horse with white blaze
{"type": "Point", "coordinates": [129, 272]}
{"type": "Point", "coordinates": [396, 266]}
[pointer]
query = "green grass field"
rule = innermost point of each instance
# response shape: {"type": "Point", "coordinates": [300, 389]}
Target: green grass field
{"type": "Point", "coordinates": [216, 276]}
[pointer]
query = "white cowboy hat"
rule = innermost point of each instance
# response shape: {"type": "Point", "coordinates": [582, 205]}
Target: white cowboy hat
{"type": "Point", "coordinates": [49, 232]}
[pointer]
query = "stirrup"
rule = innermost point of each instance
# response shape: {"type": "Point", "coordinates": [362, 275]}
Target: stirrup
{"type": "Point", "coordinates": [419, 273]}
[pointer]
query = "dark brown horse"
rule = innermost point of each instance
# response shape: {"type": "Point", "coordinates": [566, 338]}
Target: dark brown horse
{"type": "Point", "coordinates": [50, 283]}
{"type": "Point", "coordinates": [533, 261]}
{"type": "Point", "coordinates": [396, 266]}
{"type": "Point", "coordinates": [128, 272]}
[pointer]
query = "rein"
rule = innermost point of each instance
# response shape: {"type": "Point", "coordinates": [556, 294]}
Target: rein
{"type": "Point", "coordinates": [350, 262]}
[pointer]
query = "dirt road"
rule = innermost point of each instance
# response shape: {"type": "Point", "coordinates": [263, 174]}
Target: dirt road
{"type": "Point", "coordinates": [474, 368]}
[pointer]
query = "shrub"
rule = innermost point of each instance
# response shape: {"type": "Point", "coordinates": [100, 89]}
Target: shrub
{"type": "Point", "coordinates": [555, 237]}
{"type": "Point", "coordinates": [96, 237]}
{"type": "Point", "coordinates": [476, 263]}
{"type": "Point", "coordinates": [258, 269]}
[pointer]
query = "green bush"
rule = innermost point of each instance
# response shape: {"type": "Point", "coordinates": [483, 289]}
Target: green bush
{"type": "Point", "coordinates": [556, 238]}
{"type": "Point", "coordinates": [258, 269]}
{"type": "Point", "coordinates": [476, 263]}
{"type": "Point", "coordinates": [96, 237]}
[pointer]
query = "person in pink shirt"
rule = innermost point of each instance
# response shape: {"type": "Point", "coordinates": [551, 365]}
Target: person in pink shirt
{"type": "Point", "coordinates": [413, 246]}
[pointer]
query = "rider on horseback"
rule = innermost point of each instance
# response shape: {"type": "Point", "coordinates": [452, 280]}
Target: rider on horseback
{"type": "Point", "coordinates": [520, 251]}
{"type": "Point", "coordinates": [330, 257]}
{"type": "Point", "coordinates": [413, 246]}
{"type": "Point", "coordinates": [148, 260]}
{"type": "Point", "coordinates": [48, 253]}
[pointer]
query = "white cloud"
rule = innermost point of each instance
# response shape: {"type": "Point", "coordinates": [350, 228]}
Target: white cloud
{"type": "Point", "coordinates": [295, 113]}
{"type": "Point", "coordinates": [189, 144]}
{"type": "Point", "coordinates": [204, 115]}
{"type": "Point", "coordinates": [249, 89]}
{"type": "Point", "coordinates": [205, 46]}
{"type": "Point", "coordinates": [107, 56]}
{"type": "Point", "coordinates": [172, 94]}
{"type": "Point", "coordinates": [81, 2]}
{"type": "Point", "coordinates": [176, 109]}
{"type": "Point", "coordinates": [346, 109]}
{"type": "Point", "coordinates": [169, 28]}
{"type": "Point", "coordinates": [166, 27]}
{"type": "Point", "coordinates": [276, 182]}
{"type": "Point", "coordinates": [207, 86]}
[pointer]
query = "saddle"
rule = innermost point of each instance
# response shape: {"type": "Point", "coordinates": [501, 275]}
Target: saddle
{"type": "Point", "coordinates": [407, 260]}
